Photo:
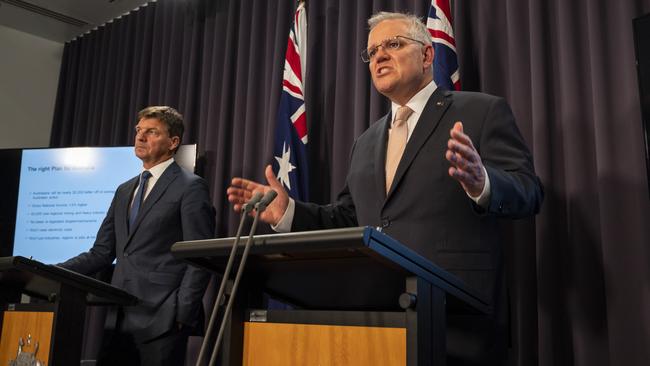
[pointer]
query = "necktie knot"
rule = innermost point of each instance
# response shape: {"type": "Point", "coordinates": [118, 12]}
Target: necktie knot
{"type": "Point", "coordinates": [403, 113]}
{"type": "Point", "coordinates": [144, 176]}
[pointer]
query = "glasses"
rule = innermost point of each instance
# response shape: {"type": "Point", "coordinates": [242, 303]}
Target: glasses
{"type": "Point", "coordinates": [150, 132]}
{"type": "Point", "coordinates": [390, 44]}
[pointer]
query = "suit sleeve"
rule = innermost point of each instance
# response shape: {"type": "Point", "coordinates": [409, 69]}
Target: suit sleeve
{"type": "Point", "coordinates": [198, 220]}
{"type": "Point", "coordinates": [102, 253]}
{"type": "Point", "coordinates": [515, 189]}
{"type": "Point", "coordinates": [311, 216]}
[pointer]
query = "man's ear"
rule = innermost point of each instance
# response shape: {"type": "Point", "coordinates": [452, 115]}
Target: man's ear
{"type": "Point", "coordinates": [427, 56]}
{"type": "Point", "coordinates": [175, 142]}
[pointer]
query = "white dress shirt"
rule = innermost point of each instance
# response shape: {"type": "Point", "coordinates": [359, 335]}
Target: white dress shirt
{"type": "Point", "coordinates": [156, 172]}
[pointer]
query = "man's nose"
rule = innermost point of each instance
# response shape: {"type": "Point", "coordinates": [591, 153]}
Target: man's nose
{"type": "Point", "coordinates": [381, 54]}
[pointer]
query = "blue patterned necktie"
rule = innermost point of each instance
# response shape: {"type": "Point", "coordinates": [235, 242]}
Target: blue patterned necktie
{"type": "Point", "coordinates": [139, 195]}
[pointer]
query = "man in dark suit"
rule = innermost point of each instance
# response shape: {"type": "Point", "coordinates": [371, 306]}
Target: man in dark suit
{"type": "Point", "coordinates": [149, 213]}
{"type": "Point", "coordinates": [436, 173]}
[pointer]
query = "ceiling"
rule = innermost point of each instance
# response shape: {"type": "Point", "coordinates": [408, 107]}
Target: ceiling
{"type": "Point", "coordinates": [62, 20]}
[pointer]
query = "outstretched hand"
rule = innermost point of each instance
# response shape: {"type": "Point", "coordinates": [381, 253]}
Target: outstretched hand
{"type": "Point", "coordinates": [466, 165]}
{"type": "Point", "coordinates": [241, 190]}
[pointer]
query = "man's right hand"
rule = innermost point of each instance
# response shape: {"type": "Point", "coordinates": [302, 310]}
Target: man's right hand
{"type": "Point", "coordinates": [241, 190]}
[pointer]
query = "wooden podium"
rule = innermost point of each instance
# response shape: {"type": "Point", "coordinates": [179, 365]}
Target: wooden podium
{"type": "Point", "coordinates": [56, 318]}
{"type": "Point", "coordinates": [358, 297]}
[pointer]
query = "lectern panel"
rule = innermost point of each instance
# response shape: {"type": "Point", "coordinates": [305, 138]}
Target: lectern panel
{"type": "Point", "coordinates": [34, 328]}
{"type": "Point", "coordinates": [275, 344]}
{"type": "Point", "coordinates": [327, 268]}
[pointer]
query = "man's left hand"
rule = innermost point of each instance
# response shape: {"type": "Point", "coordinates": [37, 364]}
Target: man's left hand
{"type": "Point", "coordinates": [466, 165]}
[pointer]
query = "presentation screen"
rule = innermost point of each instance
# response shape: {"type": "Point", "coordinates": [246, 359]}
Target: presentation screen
{"type": "Point", "coordinates": [64, 194]}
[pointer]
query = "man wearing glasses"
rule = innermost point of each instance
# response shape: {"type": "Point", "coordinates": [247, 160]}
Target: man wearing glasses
{"type": "Point", "coordinates": [149, 213]}
{"type": "Point", "coordinates": [435, 173]}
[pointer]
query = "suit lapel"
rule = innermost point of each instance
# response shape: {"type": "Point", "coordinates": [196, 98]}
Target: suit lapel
{"type": "Point", "coordinates": [429, 120]}
{"type": "Point", "coordinates": [380, 156]}
{"type": "Point", "coordinates": [161, 186]}
{"type": "Point", "coordinates": [123, 207]}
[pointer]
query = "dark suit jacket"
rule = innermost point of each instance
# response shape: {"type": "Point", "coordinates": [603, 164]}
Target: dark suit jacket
{"type": "Point", "coordinates": [426, 209]}
{"type": "Point", "coordinates": [177, 208]}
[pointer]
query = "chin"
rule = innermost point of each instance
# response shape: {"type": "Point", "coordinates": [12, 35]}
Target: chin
{"type": "Point", "coordinates": [384, 85]}
{"type": "Point", "coordinates": [386, 91]}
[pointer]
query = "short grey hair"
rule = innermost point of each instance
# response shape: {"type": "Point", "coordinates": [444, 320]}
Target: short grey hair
{"type": "Point", "coordinates": [416, 28]}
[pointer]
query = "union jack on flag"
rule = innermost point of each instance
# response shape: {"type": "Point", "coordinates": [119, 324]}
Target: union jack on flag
{"type": "Point", "coordinates": [445, 62]}
{"type": "Point", "coordinates": [290, 149]}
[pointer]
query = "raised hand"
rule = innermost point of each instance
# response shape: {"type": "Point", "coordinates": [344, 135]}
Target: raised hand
{"type": "Point", "coordinates": [241, 190]}
{"type": "Point", "coordinates": [466, 165]}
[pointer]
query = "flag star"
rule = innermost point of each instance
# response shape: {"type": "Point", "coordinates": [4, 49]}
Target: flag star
{"type": "Point", "coordinates": [285, 166]}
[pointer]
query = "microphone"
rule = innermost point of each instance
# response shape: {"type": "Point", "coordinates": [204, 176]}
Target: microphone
{"type": "Point", "coordinates": [246, 208]}
{"type": "Point", "coordinates": [250, 205]}
{"type": "Point", "coordinates": [259, 208]}
{"type": "Point", "coordinates": [265, 201]}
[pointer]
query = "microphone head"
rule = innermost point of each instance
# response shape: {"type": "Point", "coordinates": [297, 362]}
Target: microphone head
{"type": "Point", "coordinates": [268, 198]}
{"type": "Point", "coordinates": [248, 206]}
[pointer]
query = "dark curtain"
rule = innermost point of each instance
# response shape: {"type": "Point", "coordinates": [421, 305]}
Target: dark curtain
{"type": "Point", "coordinates": [579, 273]}
{"type": "Point", "coordinates": [580, 289]}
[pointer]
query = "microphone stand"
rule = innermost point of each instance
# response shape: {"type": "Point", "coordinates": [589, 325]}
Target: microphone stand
{"type": "Point", "coordinates": [248, 207]}
{"type": "Point", "coordinates": [259, 208]}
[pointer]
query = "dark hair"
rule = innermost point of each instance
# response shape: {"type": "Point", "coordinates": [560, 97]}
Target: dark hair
{"type": "Point", "coordinates": [168, 115]}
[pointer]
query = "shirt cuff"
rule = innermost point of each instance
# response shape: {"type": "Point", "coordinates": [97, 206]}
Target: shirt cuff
{"type": "Point", "coordinates": [284, 225]}
{"type": "Point", "coordinates": [483, 199]}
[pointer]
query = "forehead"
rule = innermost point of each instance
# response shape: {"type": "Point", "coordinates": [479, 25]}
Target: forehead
{"type": "Point", "coordinates": [150, 123]}
{"type": "Point", "coordinates": [387, 29]}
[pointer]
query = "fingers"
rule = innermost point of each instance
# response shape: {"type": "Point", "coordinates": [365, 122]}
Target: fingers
{"type": "Point", "coordinates": [240, 191]}
{"type": "Point", "coordinates": [466, 165]}
{"type": "Point", "coordinates": [460, 175]}
{"type": "Point", "coordinates": [244, 184]}
{"type": "Point", "coordinates": [457, 134]}
{"type": "Point", "coordinates": [460, 150]}
{"type": "Point", "coordinates": [461, 155]}
{"type": "Point", "coordinates": [238, 195]}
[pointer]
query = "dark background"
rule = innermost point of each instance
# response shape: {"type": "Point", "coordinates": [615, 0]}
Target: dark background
{"type": "Point", "coordinates": [579, 272]}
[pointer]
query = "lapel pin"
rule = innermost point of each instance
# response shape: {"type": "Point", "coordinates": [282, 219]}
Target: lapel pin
{"type": "Point", "coordinates": [440, 103]}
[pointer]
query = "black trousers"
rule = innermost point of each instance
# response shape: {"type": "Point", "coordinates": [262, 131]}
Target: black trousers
{"type": "Point", "coordinates": [119, 348]}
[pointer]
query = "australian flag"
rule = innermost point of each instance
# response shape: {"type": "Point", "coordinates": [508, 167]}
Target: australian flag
{"type": "Point", "coordinates": [290, 151]}
{"type": "Point", "coordinates": [445, 62]}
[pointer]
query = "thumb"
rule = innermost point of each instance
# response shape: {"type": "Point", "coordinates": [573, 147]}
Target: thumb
{"type": "Point", "coordinates": [272, 179]}
{"type": "Point", "coordinates": [458, 126]}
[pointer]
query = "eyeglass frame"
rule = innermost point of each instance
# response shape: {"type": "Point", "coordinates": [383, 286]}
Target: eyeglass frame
{"type": "Point", "coordinates": [366, 57]}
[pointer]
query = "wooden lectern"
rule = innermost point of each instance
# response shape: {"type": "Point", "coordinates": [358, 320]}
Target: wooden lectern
{"type": "Point", "coordinates": [358, 297]}
{"type": "Point", "coordinates": [56, 319]}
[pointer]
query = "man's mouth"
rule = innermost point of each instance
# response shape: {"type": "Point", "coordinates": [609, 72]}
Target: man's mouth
{"type": "Point", "coordinates": [382, 70]}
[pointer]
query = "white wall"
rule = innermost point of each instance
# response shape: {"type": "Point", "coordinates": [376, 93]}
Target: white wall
{"type": "Point", "coordinates": [29, 73]}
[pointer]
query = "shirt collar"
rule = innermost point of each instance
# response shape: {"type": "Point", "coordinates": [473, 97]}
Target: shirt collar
{"type": "Point", "coordinates": [417, 102]}
{"type": "Point", "coordinates": [157, 170]}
